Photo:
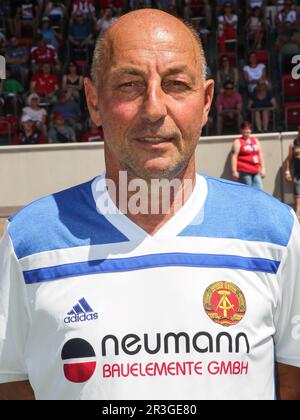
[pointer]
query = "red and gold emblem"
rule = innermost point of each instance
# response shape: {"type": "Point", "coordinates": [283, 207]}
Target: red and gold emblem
{"type": "Point", "coordinates": [224, 303]}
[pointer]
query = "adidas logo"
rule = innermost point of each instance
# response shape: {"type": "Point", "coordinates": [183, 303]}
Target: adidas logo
{"type": "Point", "coordinates": [80, 312]}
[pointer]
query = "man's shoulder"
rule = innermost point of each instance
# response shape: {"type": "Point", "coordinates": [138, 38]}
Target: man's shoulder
{"type": "Point", "coordinates": [248, 198]}
{"type": "Point", "coordinates": [237, 96]}
{"type": "Point", "coordinates": [66, 219]}
{"type": "Point", "coordinates": [44, 218]}
{"type": "Point", "coordinates": [236, 210]}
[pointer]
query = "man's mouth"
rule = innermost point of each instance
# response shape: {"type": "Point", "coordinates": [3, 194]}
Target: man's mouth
{"type": "Point", "coordinates": [155, 140]}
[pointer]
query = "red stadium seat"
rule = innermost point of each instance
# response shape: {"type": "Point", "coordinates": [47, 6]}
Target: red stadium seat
{"type": "Point", "coordinates": [291, 114]}
{"type": "Point", "coordinates": [8, 127]}
{"type": "Point", "coordinates": [27, 42]}
{"type": "Point", "coordinates": [290, 88]}
{"type": "Point", "coordinates": [263, 57]}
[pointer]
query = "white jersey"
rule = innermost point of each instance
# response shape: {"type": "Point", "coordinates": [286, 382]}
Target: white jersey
{"type": "Point", "coordinates": [92, 307]}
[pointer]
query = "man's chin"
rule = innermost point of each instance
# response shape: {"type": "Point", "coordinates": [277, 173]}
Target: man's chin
{"type": "Point", "coordinates": [157, 171]}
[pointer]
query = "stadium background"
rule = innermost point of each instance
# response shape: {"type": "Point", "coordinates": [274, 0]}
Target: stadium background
{"type": "Point", "coordinates": [45, 32]}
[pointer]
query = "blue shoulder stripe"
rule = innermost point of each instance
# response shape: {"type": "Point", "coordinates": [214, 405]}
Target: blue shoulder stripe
{"type": "Point", "coordinates": [115, 265]}
{"type": "Point", "coordinates": [66, 219]}
{"type": "Point", "coordinates": [236, 211]}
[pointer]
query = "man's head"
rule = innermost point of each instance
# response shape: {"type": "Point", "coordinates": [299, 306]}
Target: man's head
{"type": "Point", "coordinates": [27, 123]}
{"type": "Point", "coordinates": [62, 96]}
{"type": "Point", "coordinates": [46, 68]}
{"type": "Point", "coordinates": [40, 41]}
{"type": "Point", "coordinates": [149, 94]}
{"type": "Point", "coordinates": [33, 100]}
{"type": "Point", "coordinates": [228, 88]}
{"type": "Point", "coordinates": [14, 42]}
{"type": "Point", "coordinates": [79, 17]}
{"type": "Point", "coordinates": [246, 129]}
{"type": "Point", "coordinates": [58, 119]}
{"type": "Point", "coordinates": [108, 13]}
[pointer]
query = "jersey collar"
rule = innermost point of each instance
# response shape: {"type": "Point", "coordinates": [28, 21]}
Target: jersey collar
{"type": "Point", "coordinates": [186, 215]}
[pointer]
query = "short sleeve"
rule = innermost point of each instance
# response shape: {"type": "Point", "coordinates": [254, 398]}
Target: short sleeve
{"type": "Point", "coordinates": [287, 316]}
{"type": "Point", "coordinates": [14, 315]}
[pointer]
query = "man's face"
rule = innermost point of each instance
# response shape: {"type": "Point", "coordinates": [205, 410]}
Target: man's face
{"type": "Point", "coordinates": [28, 125]}
{"type": "Point", "coordinates": [14, 42]}
{"type": "Point", "coordinates": [153, 101]}
{"type": "Point", "coordinates": [46, 68]}
{"type": "Point", "coordinates": [228, 90]}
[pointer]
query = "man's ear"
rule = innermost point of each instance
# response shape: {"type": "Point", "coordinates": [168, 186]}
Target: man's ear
{"type": "Point", "coordinates": [92, 101]}
{"type": "Point", "coordinates": [208, 97]}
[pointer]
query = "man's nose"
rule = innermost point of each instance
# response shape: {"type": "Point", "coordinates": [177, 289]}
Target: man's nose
{"type": "Point", "coordinates": [155, 105]}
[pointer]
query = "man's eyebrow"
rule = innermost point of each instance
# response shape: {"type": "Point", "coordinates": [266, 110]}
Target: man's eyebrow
{"type": "Point", "coordinates": [139, 72]}
{"type": "Point", "coordinates": [127, 70]}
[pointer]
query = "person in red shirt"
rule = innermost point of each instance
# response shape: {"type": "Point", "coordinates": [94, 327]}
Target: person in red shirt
{"type": "Point", "coordinates": [45, 83]}
{"type": "Point", "coordinates": [247, 161]}
{"type": "Point", "coordinates": [28, 134]}
{"type": "Point", "coordinates": [43, 53]}
{"type": "Point", "coordinates": [229, 106]}
{"type": "Point", "coordinates": [93, 134]}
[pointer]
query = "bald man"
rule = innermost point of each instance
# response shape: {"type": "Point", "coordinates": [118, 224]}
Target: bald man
{"type": "Point", "coordinates": [117, 289]}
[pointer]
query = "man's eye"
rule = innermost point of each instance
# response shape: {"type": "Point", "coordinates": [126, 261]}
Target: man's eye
{"type": "Point", "coordinates": [129, 85]}
{"type": "Point", "coordinates": [176, 84]}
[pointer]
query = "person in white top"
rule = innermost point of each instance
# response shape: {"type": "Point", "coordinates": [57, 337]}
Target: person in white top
{"type": "Point", "coordinates": [37, 113]}
{"type": "Point", "coordinates": [106, 21]}
{"type": "Point", "coordinates": [107, 294]}
{"type": "Point", "coordinates": [254, 72]}
{"type": "Point", "coordinates": [286, 16]}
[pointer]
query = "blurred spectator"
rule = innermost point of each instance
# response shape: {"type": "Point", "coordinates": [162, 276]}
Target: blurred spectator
{"type": "Point", "coordinates": [43, 53]}
{"type": "Point", "coordinates": [199, 8]}
{"type": "Point", "coordinates": [10, 11]}
{"type": "Point", "coordinates": [254, 72]}
{"type": "Point", "coordinates": [11, 90]}
{"type": "Point", "coordinates": [27, 16]}
{"type": "Point", "coordinates": [287, 15]}
{"type": "Point", "coordinates": [256, 28]}
{"type": "Point", "coordinates": [56, 12]}
{"type": "Point", "coordinates": [72, 82]}
{"type": "Point", "coordinates": [292, 170]}
{"type": "Point", "coordinates": [202, 31]}
{"type": "Point", "coordinates": [251, 4]}
{"type": "Point", "coordinates": [287, 44]}
{"type": "Point", "coordinates": [51, 36]}
{"type": "Point", "coordinates": [227, 26]}
{"type": "Point", "coordinates": [69, 109]}
{"type": "Point", "coordinates": [59, 132]}
{"type": "Point", "coordinates": [16, 56]}
{"type": "Point", "coordinates": [229, 107]}
{"type": "Point", "coordinates": [106, 21]}
{"type": "Point", "coordinates": [45, 83]}
{"type": "Point", "coordinates": [87, 7]}
{"type": "Point", "coordinates": [247, 160]}
{"type": "Point", "coordinates": [93, 134]}
{"type": "Point", "coordinates": [28, 134]}
{"type": "Point", "coordinates": [3, 43]}
{"type": "Point", "coordinates": [261, 99]}
{"type": "Point", "coordinates": [117, 5]}
{"type": "Point", "coordinates": [81, 38]}
{"type": "Point", "coordinates": [37, 114]}
{"type": "Point", "coordinates": [226, 73]}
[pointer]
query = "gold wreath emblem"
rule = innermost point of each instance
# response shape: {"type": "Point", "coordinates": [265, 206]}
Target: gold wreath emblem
{"type": "Point", "coordinates": [224, 303]}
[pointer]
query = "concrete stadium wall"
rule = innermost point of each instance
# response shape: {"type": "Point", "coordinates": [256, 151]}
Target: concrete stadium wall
{"type": "Point", "coordinates": [29, 172]}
